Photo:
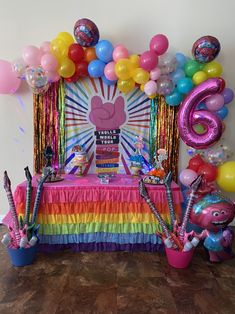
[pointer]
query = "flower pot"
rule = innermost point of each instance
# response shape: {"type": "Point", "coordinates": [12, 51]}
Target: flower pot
{"type": "Point", "coordinates": [179, 259]}
{"type": "Point", "coordinates": [22, 257]}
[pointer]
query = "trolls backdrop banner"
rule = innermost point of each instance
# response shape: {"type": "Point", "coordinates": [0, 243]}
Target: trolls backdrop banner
{"type": "Point", "coordinates": [105, 123]}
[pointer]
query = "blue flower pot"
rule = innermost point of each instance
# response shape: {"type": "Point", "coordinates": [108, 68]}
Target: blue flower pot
{"type": "Point", "coordinates": [22, 257]}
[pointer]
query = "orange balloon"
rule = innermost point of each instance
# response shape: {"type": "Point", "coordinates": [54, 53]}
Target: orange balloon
{"type": "Point", "coordinates": [89, 54]}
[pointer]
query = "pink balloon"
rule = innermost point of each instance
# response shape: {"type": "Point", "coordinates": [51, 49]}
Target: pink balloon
{"type": "Point", "coordinates": [187, 176]}
{"type": "Point", "coordinates": [9, 83]}
{"type": "Point", "coordinates": [188, 116]}
{"type": "Point", "coordinates": [215, 102]}
{"type": "Point", "coordinates": [45, 47]}
{"type": "Point", "coordinates": [155, 74]}
{"type": "Point", "coordinates": [159, 44]}
{"type": "Point", "coordinates": [150, 88]}
{"type": "Point", "coordinates": [52, 77]}
{"type": "Point", "coordinates": [148, 60]}
{"type": "Point", "coordinates": [120, 52]}
{"type": "Point", "coordinates": [49, 62]}
{"type": "Point", "coordinates": [31, 55]}
{"type": "Point", "coordinates": [109, 71]}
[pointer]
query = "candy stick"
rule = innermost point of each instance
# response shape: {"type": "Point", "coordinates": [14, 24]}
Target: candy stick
{"type": "Point", "coordinates": [144, 194]}
{"type": "Point", "coordinates": [194, 186]}
{"type": "Point", "coordinates": [7, 187]}
{"type": "Point", "coordinates": [38, 196]}
{"type": "Point", "coordinates": [28, 195]}
{"type": "Point", "coordinates": [167, 183]}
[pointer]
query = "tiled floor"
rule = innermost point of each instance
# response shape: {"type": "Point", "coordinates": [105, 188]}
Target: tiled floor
{"type": "Point", "coordinates": [119, 282]}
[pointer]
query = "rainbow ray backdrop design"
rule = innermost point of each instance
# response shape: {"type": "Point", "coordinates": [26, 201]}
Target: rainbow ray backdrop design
{"type": "Point", "coordinates": [80, 131]}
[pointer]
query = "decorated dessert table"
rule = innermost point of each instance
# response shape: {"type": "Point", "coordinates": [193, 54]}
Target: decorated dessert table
{"type": "Point", "coordinates": [83, 214]}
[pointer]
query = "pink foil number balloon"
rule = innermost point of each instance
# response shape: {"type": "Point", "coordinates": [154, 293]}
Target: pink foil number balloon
{"type": "Point", "coordinates": [188, 116]}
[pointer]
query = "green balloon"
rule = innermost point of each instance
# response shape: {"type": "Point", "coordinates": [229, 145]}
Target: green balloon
{"type": "Point", "coordinates": [199, 129]}
{"type": "Point", "coordinates": [191, 67]}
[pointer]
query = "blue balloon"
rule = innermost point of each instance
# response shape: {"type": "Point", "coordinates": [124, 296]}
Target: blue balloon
{"type": "Point", "coordinates": [184, 85]}
{"type": "Point", "coordinates": [104, 51]}
{"type": "Point", "coordinates": [108, 82]}
{"type": "Point", "coordinates": [201, 106]}
{"type": "Point", "coordinates": [181, 59]}
{"type": "Point", "coordinates": [177, 75]}
{"type": "Point", "coordinates": [96, 68]}
{"type": "Point", "coordinates": [222, 113]}
{"type": "Point", "coordinates": [174, 99]}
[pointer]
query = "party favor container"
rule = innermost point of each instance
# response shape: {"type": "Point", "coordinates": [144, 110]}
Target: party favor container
{"type": "Point", "coordinates": [179, 259]}
{"type": "Point", "coordinates": [22, 257]}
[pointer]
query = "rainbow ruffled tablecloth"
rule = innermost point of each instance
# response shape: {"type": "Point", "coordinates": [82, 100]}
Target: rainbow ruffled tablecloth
{"type": "Point", "coordinates": [83, 214]}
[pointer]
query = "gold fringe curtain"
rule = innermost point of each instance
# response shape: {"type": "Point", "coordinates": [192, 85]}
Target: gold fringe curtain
{"type": "Point", "coordinates": [167, 134]}
{"type": "Point", "coordinates": [49, 126]}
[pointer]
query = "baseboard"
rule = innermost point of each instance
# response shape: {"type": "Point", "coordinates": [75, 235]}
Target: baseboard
{"type": "Point", "coordinates": [1, 218]}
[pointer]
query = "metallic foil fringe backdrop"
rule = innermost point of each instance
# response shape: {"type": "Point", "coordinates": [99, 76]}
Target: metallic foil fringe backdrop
{"type": "Point", "coordinates": [49, 126]}
{"type": "Point", "coordinates": [167, 134]}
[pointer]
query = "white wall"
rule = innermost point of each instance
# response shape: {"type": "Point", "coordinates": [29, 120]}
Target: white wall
{"type": "Point", "coordinates": [130, 22]}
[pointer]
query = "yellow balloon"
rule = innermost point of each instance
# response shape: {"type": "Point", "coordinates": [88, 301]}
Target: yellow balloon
{"type": "Point", "coordinates": [213, 69]}
{"type": "Point", "coordinates": [67, 68]}
{"type": "Point", "coordinates": [226, 176]}
{"type": "Point", "coordinates": [142, 87]}
{"type": "Point", "coordinates": [59, 49]}
{"type": "Point", "coordinates": [66, 37]}
{"type": "Point", "coordinates": [135, 60]}
{"type": "Point", "coordinates": [140, 76]}
{"type": "Point", "coordinates": [123, 69]}
{"type": "Point", "coordinates": [126, 86]}
{"type": "Point", "coordinates": [199, 77]}
{"type": "Point", "coordinates": [152, 96]}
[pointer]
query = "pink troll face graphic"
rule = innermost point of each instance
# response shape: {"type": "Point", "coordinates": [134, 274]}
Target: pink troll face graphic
{"type": "Point", "coordinates": [213, 213]}
{"type": "Point", "coordinates": [108, 118]}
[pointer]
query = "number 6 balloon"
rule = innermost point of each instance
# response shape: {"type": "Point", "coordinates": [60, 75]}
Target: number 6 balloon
{"type": "Point", "coordinates": [188, 116]}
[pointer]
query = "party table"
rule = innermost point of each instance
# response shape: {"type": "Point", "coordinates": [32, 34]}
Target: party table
{"type": "Point", "coordinates": [82, 213]}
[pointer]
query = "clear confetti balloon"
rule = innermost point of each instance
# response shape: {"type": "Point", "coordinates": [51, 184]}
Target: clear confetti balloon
{"type": "Point", "coordinates": [19, 67]}
{"type": "Point", "coordinates": [36, 77]}
{"type": "Point", "coordinates": [40, 90]}
{"type": "Point", "coordinates": [217, 156]}
{"type": "Point", "coordinates": [165, 86]}
{"type": "Point", "coordinates": [167, 63]}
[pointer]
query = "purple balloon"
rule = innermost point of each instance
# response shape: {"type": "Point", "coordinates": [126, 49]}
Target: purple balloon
{"type": "Point", "coordinates": [188, 116]}
{"type": "Point", "coordinates": [215, 102]}
{"type": "Point", "coordinates": [228, 95]}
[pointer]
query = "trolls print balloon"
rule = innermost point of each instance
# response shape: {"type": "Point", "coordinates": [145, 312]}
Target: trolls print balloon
{"type": "Point", "coordinates": [206, 49]}
{"type": "Point", "coordinates": [86, 33]}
